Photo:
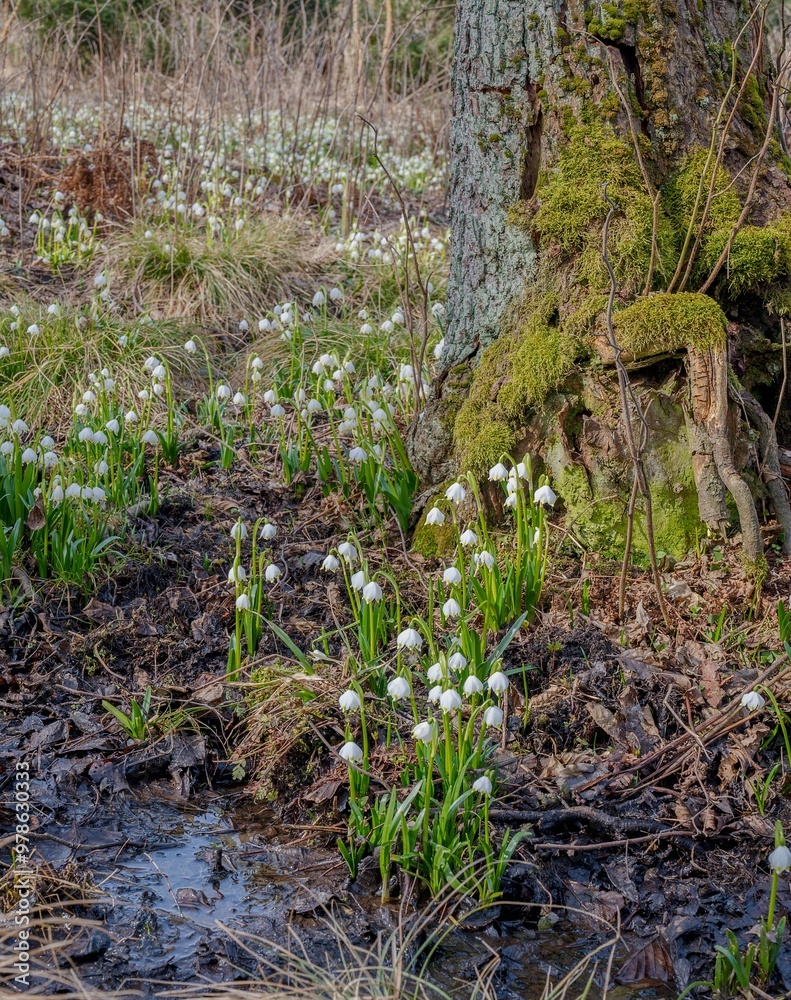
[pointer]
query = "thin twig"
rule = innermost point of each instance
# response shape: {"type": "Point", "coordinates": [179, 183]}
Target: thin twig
{"type": "Point", "coordinates": [635, 450]}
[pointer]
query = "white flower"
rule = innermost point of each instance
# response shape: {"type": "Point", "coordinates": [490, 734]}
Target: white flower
{"type": "Point", "coordinates": [435, 516]}
{"type": "Point", "coordinates": [498, 473]}
{"type": "Point", "coordinates": [493, 716]}
{"type": "Point", "coordinates": [85, 435]}
{"type": "Point", "coordinates": [435, 694]}
{"type": "Point", "coordinates": [88, 396]}
{"type": "Point", "coordinates": [144, 394]}
{"type": "Point", "coordinates": [314, 406]}
{"type": "Point", "coordinates": [450, 700]}
{"type": "Point", "coordinates": [113, 426]}
{"type": "Point", "coordinates": [242, 602]}
{"type": "Point", "coordinates": [4, 351]}
{"type": "Point", "coordinates": [457, 661]}
{"type": "Point", "coordinates": [498, 682]}
{"type": "Point", "coordinates": [319, 299]}
{"type": "Point", "coordinates": [99, 437]}
{"type": "Point", "coordinates": [50, 459]}
{"type": "Point", "coordinates": [358, 580]}
{"type": "Point", "coordinates": [150, 363]}
{"type": "Point", "coordinates": [57, 494]}
{"type": "Point", "coordinates": [451, 575]}
{"type": "Point", "coordinates": [191, 347]}
{"type": "Point", "coordinates": [239, 531]}
{"type": "Point", "coordinates": [472, 686]}
{"type": "Point", "coordinates": [350, 751]}
{"type": "Point", "coordinates": [348, 551]}
{"type": "Point", "coordinates": [130, 417]}
{"type": "Point", "coordinates": [47, 442]}
{"type": "Point", "coordinates": [424, 731]}
{"type": "Point", "coordinates": [348, 367]}
{"type": "Point", "coordinates": [73, 491]}
{"type": "Point", "coordinates": [456, 493]}
{"type": "Point", "coordinates": [269, 531]}
{"type": "Point", "coordinates": [28, 456]}
{"type": "Point", "coordinates": [223, 392]}
{"type": "Point", "coordinates": [358, 455]}
{"type": "Point", "coordinates": [545, 494]}
{"type": "Point", "coordinates": [439, 349]}
{"type": "Point", "coordinates": [753, 701]}
{"type": "Point", "coordinates": [33, 330]}
{"type": "Point", "coordinates": [239, 399]}
{"type": "Point", "coordinates": [349, 701]}
{"type": "Point", "coordinates": [257, 363]}
{"type": "Point", "coordinates": [484, 559]}
{"type": "Point", "coordinates": [482, 785]}
{"type": "Point", "coordinates": [237, 574]}
{"type": "Point", "coordinates": [159, 372]}
{"type": "Point", "coordinates": [272, 572]}
{"type": "Point", "coordinates": [409, 639]}
{"type": "Point", "coordinates": [398, 689]}
{"type": "Point", "coordinates": [330, 564]}
{"type": "Point", "coordinates": [19, 427]}
{"type": "Point", "coordinates": [511, 500]}
{"type": "Point", "coordinates": [521, 470]}
{"type": "Point", "coordinates": [372, 592]}
{"type": "Point", "coordinates": [468, 538]}
{"type": "Point", "coordinates": [277, 410]}
{"type": "Point", "coordinates": [434, 672]}
{"type": "Point", "coordinates": [7, 448]}
{"type": "Point", "coordinates": [270, 397]}
{"type": "Point", "coordinates": [336, 294]}
{"type": "Point", "coordinates": [451, 608]}
{"type": "Point", "coordinates": [780, 859]}
{"type": "Point", "coordinates": [150, 437]}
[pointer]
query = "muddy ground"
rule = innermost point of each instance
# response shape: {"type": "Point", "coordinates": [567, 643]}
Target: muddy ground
{"type": "Point", "coordinates": [631, 762]}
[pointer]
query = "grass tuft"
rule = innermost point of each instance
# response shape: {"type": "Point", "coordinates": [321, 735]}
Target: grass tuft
{"type": "Point", "coordinates": [187, 271]}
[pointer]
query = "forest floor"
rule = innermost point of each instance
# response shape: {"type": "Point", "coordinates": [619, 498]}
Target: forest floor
{"type": "Point", "coordinates": [200, 850]}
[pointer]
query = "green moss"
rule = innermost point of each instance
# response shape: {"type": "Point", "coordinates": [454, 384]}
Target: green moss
{"type": "Point", "coordinates": [601, 523]}
{"type": "Point", "coordinates": [516, 373]}
{"type": "Point", "coordinates": [759, 256]}
{"type": "Point", "coordinates": [753, 108]}
{"type": "Point", "coordinates": [670, 322]}
{"type": "Point", "coordinates": [572, 209]}
{"type": "Point", "coordinates": [434, 540]}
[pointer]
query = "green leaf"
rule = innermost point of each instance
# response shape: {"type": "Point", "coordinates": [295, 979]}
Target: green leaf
{"type": "Point", "coordinates": [299, 656]}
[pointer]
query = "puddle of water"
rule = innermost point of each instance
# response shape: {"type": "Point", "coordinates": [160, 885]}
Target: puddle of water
{"type": "Point", "coordinates": [209, 871]}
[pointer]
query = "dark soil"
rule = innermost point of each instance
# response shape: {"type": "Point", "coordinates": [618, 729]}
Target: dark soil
{"type": "Point", "coordinates": [627, 754]}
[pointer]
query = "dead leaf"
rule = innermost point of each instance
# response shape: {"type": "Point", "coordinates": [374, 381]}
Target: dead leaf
{"type": "Point", "coordinates": [36, 517]}
{"type": "Point", "coordinates": [324, 791]}
{"type": "Point", "coordinates": [652, 963]}
{"type": "Point", "coordinates": [101, 613]}
{"type": "Point", "coordinates": [604, 719]}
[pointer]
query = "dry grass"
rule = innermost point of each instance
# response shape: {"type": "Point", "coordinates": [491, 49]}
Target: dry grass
{"type": "Point", "coordinates": [186, 272]}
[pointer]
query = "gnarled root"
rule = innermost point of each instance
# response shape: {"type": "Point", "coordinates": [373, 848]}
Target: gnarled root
{"type": "Point", "coordinates": [767, 441]}
{"type": "Point", "coordinates": [708, 377]}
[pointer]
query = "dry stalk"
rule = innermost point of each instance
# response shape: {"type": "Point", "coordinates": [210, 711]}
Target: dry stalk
{"type": "Point", "coordinates": [629, 401]}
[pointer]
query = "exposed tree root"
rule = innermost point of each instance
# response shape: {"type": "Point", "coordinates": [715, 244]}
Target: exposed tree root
{"type": "Point", "coordinates": [767, 441]}
{"type": "Point", "coordinates": [708, 376]}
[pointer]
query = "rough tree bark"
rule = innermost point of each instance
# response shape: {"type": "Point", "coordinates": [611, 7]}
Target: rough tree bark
{"type": "Point", "coordinates": [550, 97]}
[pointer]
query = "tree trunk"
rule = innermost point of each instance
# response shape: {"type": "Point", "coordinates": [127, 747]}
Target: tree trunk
{"type": "Point", "coordinates": [551, 100]}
